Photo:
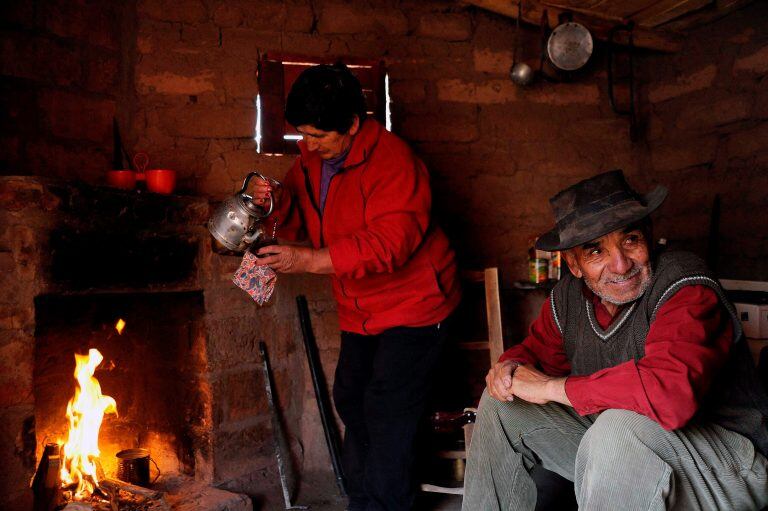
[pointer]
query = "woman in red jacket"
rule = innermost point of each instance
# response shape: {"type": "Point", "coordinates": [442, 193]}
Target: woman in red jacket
{"type": "Point", "coordinates": [362, 199]}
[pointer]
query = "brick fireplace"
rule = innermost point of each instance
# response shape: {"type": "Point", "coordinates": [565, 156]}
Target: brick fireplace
{"type": "Point", "coordinates": [185, 372]}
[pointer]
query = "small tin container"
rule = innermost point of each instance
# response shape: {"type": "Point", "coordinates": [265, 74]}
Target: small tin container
{"type": "Point", "coordinates": [133, 466]}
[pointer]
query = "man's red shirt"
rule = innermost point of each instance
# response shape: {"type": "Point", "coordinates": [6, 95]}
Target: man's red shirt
{"type": "Point", "coordinates": [687, 344]}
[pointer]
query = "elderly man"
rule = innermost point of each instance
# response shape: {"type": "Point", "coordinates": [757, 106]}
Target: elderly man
{"type": "Point", "coordinates": [635, 382]}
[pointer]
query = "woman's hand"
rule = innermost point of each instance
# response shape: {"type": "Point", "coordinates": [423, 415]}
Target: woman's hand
{"type": "Point", "coordinates": [262, 190]}
{"type": "Point", "coordinates": [295, 259]}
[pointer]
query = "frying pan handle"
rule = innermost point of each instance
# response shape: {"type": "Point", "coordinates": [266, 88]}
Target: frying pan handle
{"type": "Point", "coordinates": [545, 31]}
{"type": "Point", "coordinates": [631, 112]}
{"type": "Point", "coordinates": [610, 68]}
{"type": "Point", "coordinates": [565, 17]}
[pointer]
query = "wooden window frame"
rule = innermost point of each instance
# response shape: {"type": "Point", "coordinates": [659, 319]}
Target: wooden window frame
{"type": "Point", "coordinates": [276, 73]}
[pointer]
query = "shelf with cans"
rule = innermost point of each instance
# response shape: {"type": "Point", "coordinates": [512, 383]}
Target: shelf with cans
{"type": "Point", "coordinates": [544, 268]}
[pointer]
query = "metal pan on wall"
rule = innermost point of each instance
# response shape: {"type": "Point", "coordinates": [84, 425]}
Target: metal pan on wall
{"type": "Point", "coordinates": [569, 46]}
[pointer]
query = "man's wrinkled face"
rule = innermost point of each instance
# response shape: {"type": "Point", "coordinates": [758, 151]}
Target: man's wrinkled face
{"type": "Point", "coordinates": [616, 267]}
{"type": "Point", "coordinates": [328, 144]}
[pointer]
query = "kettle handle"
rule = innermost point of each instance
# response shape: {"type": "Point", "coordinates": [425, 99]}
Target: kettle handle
{"type": "Point", "coordinates": [264, 178]}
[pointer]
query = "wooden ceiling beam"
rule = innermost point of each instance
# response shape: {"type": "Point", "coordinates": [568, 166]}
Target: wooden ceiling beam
{"type": "Point", "coordinates": [600, 28]}
{"type": "Point", "coordinates": [667, 10]}
{"type": "Point", "coordinates": [720, 9]}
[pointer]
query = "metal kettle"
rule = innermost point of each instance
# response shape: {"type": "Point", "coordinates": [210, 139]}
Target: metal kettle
{"type": "Point", "coordinates": [236, 224]}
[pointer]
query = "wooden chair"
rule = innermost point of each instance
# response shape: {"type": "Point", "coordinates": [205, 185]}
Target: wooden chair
{"type": "Point", "coordinates": [489, 278]}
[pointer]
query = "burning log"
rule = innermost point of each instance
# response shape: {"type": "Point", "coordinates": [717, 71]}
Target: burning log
{"type": "Point", "coordinates": [112, 485]}
{"type": "Point", "coordinates": [116, 495]}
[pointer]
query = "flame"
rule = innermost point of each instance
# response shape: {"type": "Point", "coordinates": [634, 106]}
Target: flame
{"type": "Point", "coordinates": [119, 326]}
{"type": "Point", "coordinates": [85, 412]}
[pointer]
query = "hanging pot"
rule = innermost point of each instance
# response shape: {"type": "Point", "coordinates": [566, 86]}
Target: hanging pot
{"type": "Point", "coordinates": [569, 46]}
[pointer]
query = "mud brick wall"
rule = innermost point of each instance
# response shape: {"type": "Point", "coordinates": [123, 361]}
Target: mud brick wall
{"type": "Point", "coordinates": [707, 133]}
{"type": "Point", "coordinates": [181, 76]}
{"type": "Point", "coordinates": [63, 78]}
{"type": "Point", "coordinates": [496, 153]}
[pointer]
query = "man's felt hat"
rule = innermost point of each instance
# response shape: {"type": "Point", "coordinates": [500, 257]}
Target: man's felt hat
{"type": "Point", "coordinates": [594, 207]}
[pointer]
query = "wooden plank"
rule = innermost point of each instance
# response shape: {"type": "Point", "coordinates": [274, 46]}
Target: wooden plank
{"type": "Point", "coordinates": [493, 313]}
{"type": "Point", "coordinates": [643, 37]}
{"type": "Point", "coordinates": [720, 9]}
{"type": "Point", "coordinates": [582, 5]}
{"type": "Point", "coordinates": [616, 11]}
{"type": "Point", "coordinates": [452, 454]}
{"type": "Point", "coordinates": [433, 488]}
{"type": "Point", "coordinates": [624, 8]}
{"type": "Point", "coordinates": [667, 10]}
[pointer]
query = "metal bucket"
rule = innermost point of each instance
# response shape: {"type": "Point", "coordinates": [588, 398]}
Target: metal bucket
{"type": "Point", "coordinates": [133, 466]}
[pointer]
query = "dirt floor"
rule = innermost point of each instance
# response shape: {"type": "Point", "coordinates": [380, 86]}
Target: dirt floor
{"type": "Point", "coordinates": [322, 495]}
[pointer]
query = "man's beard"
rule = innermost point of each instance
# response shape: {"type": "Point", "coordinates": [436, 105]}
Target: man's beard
{"type": "Point", "coordinates": [615, 278]}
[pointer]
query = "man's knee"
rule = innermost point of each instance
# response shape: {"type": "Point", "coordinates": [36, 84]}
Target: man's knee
{"type": "Point", "coordinates": [510, 415]}
{"type": "Point", "coordinates": [494, 417]}
{"type": "Point", "coordinates": [505, 409]}
{"type": "Point", "coordinates": [618, 435]}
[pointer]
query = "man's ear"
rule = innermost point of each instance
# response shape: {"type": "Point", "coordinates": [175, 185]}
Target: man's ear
{"type": "Point", "coordinates": [355, 126]}
{"type": "Point", "coordinates": [573, 264]}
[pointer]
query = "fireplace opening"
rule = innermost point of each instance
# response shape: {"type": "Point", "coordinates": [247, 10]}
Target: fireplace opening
{"type": "Point", "coordinates": [154, 370]}
{"type": "Point", "coordinates": [120, 259]}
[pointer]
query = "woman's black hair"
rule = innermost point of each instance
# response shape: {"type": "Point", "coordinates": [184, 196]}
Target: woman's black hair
{"type": "Point", "coordinates": [326, 97]}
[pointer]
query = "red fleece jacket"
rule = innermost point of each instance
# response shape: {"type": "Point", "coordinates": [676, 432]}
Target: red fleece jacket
{"type": "Point", "coordinates": [392, 265]}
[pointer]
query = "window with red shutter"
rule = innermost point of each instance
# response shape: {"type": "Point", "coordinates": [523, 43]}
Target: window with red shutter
{"type": "Point", "coordinates": [276, 75]}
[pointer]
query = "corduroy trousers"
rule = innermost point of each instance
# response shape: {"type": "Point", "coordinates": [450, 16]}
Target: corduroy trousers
{"type": "Point", "coordinates": [618, 460]}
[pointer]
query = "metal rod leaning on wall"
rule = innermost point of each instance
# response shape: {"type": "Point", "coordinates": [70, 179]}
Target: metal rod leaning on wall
{"type": "Point", "coordinates": [282, 449]}
{"type": "Point", "coordinates": [321, 393]}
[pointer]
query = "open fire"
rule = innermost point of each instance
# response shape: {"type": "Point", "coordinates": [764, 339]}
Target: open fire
{"type": "Point", "coordinates": [85, 412]}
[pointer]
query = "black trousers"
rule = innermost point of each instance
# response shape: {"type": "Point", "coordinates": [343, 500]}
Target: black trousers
{"type": "Point", "coordinates": [381, 386]}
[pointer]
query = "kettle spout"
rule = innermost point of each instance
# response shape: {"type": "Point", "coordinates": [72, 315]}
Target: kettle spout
{"type": "Point", "coordinates": [252, 237]}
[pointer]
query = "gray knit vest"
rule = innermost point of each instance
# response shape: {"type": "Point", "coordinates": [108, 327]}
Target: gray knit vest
{"type": "Point", "coordinates": [736, 399]}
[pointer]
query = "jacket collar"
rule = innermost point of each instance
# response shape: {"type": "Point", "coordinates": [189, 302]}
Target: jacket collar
{"type": "Point", "coordinates": [363, 145]}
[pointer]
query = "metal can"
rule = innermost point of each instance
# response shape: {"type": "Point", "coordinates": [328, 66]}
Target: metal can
{"type": "Point", "coordinates": [554, 266]}
{"type": "Point", "coordinates": [538, 270]}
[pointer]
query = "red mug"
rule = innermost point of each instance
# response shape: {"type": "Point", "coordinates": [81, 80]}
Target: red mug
{"type": "Point", "coordinates": [160, 180]}
{"type": "Point", "coordinates": [125, 179]}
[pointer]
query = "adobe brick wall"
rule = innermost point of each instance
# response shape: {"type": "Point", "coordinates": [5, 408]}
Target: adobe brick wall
{"type": "Point", "coordinates": [63, 79]}
{"type": "Point", "coordinates": [707, 133]}
{"type": "Point", "coordinates": [182, 77]}
{"type": "Point", "coordinates": [496, 152]}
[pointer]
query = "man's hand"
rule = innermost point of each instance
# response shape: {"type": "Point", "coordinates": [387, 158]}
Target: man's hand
{"type": "Point", "coordinates": [295, 259]}
{"type": "Point", "coordinates": [499, 380]}
{"type": "Point", "coordinates": [536, 387]}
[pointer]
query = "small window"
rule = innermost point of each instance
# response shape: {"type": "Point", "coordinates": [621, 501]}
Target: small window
{"type": "Point", "coordinates": [276, 74]}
